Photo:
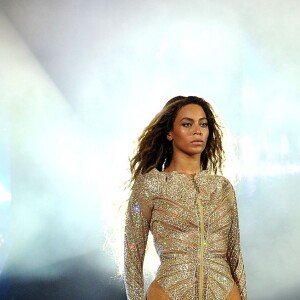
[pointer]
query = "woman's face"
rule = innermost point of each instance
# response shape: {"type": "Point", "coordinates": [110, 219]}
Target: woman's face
{"type": "Point", "coordinates": [190, 131]}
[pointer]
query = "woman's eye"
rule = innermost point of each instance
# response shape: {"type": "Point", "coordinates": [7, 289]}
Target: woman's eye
{"type": "Point", "coordinates": [204, 125]}
{"type": "Point", "coordinates": [186, 124]}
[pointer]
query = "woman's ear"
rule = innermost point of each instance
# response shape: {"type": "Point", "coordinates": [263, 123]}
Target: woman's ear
{"type": "Point", "coordinates": [169, 137]}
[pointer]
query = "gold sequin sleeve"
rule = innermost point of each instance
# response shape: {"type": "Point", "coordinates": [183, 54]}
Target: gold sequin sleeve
{"type": "Point", "coordinates": [136, 234]}
{"type": "Point", "coordinates": [234, 254]}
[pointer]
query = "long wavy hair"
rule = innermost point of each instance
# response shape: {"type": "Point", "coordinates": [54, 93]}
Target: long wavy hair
{"type": "Point", "coordinates": [155, 151]}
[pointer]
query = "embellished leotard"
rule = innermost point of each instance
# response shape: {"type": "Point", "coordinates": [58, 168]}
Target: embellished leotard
{"type": "Point", "coordinates": [194, 222]}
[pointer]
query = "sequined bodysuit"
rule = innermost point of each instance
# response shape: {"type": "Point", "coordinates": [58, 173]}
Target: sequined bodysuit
{"type": "Point", "coordinates": [194, 222]}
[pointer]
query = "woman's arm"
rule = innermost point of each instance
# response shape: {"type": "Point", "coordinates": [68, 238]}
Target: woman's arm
{"type": "Point", "coordinates": [136, 234]}
{"type": "Point", "coordinates": [234, 254]}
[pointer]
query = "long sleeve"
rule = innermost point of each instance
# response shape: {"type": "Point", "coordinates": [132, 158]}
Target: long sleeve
{"type": "Point", "coordinates": [234, 253]}
{"type": "Point", "coordinates": [136, 234]}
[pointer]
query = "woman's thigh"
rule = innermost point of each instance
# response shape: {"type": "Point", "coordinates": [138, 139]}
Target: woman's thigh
{"type": "Point", "coordinates": [156, 292]}
{"type": "Point", "coordinates": [234, 293]}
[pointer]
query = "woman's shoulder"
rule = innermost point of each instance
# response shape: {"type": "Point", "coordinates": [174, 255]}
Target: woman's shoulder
{"type": "Point", "coordinates": [152, 175]}
{"type": "Point", "coordinates": [220, 180]}
{"type": "Point", "coordinates": [150, 181]}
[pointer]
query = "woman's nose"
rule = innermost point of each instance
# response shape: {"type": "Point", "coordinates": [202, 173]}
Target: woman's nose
{"type": "Point", "coordinates": [198, 130]}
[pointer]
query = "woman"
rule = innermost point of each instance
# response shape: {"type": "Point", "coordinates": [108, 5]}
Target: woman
{"type": "Point", "coordinates": [191, 211]}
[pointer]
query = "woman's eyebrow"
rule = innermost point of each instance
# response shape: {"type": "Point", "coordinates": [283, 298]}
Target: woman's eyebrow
{"type": "Point", "coordinates": [188, 119]}
{"type": "Point", "coordinates": [192, 120]}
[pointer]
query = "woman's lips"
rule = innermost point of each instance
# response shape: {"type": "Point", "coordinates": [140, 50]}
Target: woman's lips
{"type": "Point", "coordinates": [198, 142]}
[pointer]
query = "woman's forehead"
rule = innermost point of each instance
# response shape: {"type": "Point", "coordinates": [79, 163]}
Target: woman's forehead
{"type": "Point", "coordinates": [191, 111]}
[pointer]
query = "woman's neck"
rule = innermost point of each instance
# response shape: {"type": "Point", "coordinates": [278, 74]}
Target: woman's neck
{"type": "Point", "coordinates": [185, 165]}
